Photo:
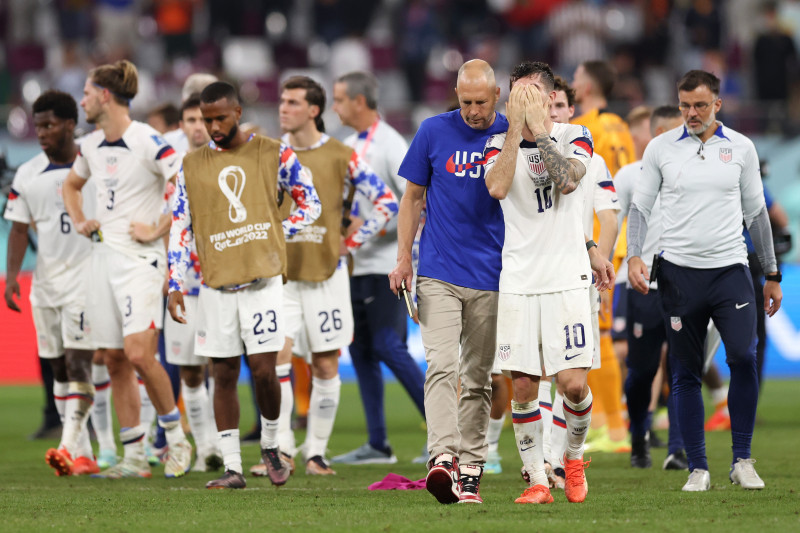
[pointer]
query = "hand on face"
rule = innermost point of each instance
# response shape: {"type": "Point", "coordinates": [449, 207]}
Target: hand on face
{"type": "Point", "coordinates": [537, 110]}
{"type": "Point", "coordinates": [515, 107]}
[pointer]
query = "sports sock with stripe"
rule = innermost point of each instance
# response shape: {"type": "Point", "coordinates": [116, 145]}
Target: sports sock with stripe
{"type": "Point", "coordinates": [527, 420]}
{"type": "Point", "coordinates": [546, 408]}
{"type": "Point", "coordinates": [578, 417]}
{"type": "Point", "coordinates": [286, 440]}
{"type": "Point", "coordinates": [228, 440]}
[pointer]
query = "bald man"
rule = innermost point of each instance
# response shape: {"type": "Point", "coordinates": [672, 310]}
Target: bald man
{"type": "Point", "coordinates": [458, 277]}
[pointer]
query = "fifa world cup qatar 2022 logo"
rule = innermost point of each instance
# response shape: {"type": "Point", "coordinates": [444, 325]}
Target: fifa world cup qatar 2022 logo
{"type": "Point", "coordinates": [233, 192]}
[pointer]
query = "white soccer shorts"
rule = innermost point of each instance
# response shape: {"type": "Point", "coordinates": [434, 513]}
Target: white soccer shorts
{"type": "Point", "coordinates": [323, 308]}
{"type": "Point", "coordinates": [125, 295]}
{"type": "Point", "coordinates": [59, 328]}
{"type": "Point", "coordinates": [542, 334]}
{"type": "Point", "coordinates": [250, 320]}
{"type": "Point", "coordinates": [179, 338]}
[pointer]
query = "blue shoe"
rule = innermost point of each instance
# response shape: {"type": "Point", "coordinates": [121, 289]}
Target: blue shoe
{"type": "Point", "coordinates": [107, 459]}
{"type": "Point", "coordinates": [493, 465]}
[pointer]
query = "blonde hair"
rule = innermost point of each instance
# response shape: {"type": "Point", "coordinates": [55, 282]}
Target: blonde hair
{"type": "Point", "coordinates": [121, 79]}
{"type": "Point", "coordinates": [638, 115]}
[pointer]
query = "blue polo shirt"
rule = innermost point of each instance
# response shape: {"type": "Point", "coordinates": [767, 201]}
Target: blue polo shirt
{"type": "Point", "coordinates": [462, 241]}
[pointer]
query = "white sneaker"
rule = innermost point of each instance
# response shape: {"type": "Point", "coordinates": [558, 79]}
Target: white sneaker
{"type": "Point", "coordinates": [743, 473]}
{"type": "Point", "coordinates": [699, 481]}
{"type": "Point", "coordinates": [179, 459]}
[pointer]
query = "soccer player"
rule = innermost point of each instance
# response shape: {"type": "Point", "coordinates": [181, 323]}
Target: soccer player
{"type": "Point", "coordinates": [379, 317]}
{"type": "Point", "coordinates": [646, 322]}
{"type": "Point", "coordinates": [600, 202]}
{"type": "Point", "coordinates": [544, 309]}
{"type": "Point", "coordinates": [708, 179]}
{"type": "Point", "coordinates": [58, 292]}
{"type": "Point", "coordinates": [459, 267]}
{"type": "Point", "coordinates": [129, 163]}
{"type": "Point", "coordinates": [593, 82]}
{"type": "Point", "coordinates": [317, 295]}
{"type": "Point", "coordinates": [226, 204]}
{"type": "Point", "coordinates": [179, 338]}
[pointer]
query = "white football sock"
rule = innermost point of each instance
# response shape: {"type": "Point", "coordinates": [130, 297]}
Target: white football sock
{"type": "Point", "coordinates": [101, 409]}
{"type": "Point", "coordinates": [231, 449]}
{"type": "Point", "coordinates": [286, 440]}
{"type": "Point", "coordinates": [203, 426]}
{"type": "Point", "coordinates": [558, 433]}
{"type": "Point", "coordinates": [321, 414]}
{"type": "Point", "coordinates": [493, 432]}
{"type": "Point", "coordinates": [147, 414]}
{"type": "Point", "coordinates": [546, 408]}
{"type": "Point", "coordinates": [528, 432]}
{"type": "Point", "coordinates": [578, 417]}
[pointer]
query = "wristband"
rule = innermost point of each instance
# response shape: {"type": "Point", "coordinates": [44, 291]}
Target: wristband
{"type": "Point", "coordinates": [590, 244]}
{"type": "Point", "coordinates": [774, 277]}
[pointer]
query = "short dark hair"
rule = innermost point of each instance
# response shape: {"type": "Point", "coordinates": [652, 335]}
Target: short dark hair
{"type": "Point", "coordinates": [664, 112]}
{"type": "Point", "coordinates": [60, 103]}
{"type": "Point", "coordinates": [560, 84]}
{"type": "Point", "coordinates": [532, 68]}
{"type": "Point", "coordinates": [364, 83]}
{"type": "Point", "coordinates": [603, 75]}
{"type": "Point", "coordinates": [695, 78]}
{"type": "Point", "coordinates": [169, 113]}
{"type": "Point", "coordinates": [192, 102]}
{"type": "Point", "coordinates": [217, 91]}
{"type": "Point", "coordinates": [315, 95]}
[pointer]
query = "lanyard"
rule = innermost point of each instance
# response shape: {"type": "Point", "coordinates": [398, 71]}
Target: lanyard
{"type": "Point", "coordinates": [368, 140]}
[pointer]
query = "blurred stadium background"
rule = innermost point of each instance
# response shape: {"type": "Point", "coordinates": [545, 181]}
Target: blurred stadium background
{"type": "Point", "coordinates": [415, 48]}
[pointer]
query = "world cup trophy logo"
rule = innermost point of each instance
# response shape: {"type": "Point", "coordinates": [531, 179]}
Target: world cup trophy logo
{"type": "Point", "coordinates": [236, 210]}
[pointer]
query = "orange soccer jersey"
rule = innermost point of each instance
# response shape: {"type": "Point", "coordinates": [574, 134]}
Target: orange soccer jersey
{"type": "Point", "coordinates": [611, 137]}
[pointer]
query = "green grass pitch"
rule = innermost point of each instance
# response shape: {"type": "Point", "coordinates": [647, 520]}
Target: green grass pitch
{"type": "Point", "coordinates": [620, 499]}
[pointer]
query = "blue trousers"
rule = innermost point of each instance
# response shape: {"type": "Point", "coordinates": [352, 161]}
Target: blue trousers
{"type": "Point", "coordinates": [690, 298]}
{"type": "Point", "coordinates": [380, 337]}
{"type": "Point", "coordinates": [646, 334]}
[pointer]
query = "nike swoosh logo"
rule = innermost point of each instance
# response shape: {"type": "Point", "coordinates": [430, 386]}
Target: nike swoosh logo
{"type": "Point", "coordinates": [568, 358]}
{"type": "Point", "coordinates": [330, 339]}
{"type": "Point", "coordinates": [528, 448]}
{"type": "Point", "coordinates": [264, 341]}
{"type": "Point", "coordinates": [739, 306]}
{"type": "Point", "coordinates": [614, 200]}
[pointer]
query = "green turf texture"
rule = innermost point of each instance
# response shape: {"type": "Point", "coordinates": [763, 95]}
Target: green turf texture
{"type": "Point", "coordinates": [619, 499]}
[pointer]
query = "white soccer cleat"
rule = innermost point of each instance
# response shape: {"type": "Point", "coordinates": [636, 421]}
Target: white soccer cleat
{"type": "Point", "coordinates": [699, 481]}
{"type": "Point", "coordinates": [743, 473]}
{"type": "Point", "coordinates": [179, 459]}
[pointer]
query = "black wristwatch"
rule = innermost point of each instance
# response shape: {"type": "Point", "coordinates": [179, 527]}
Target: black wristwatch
{"type": "Point", "coordinates": [590, 244]}
{"type": "Point", "coordinates": [774, 277]}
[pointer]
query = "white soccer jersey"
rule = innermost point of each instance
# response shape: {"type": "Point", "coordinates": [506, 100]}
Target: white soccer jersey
{"type": "Point", "coordinates": [177, 139]}
{"type": "Point", "coordinates": [705, 189]}
{"type": "Point", "coordinates": [62, 258]}
{"type": "Point", "coordinates": [599, 193]}
{"type": "Point", "coordinates": [129, 175]}
{"type": "Point", "coordinates": [544, 249]}
{"type": "Point", "coordinates": [625, 182]}
{"type": "Point", "coordinates": [383, 149]}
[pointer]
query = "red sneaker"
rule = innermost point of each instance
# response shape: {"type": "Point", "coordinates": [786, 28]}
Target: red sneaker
{"type": "Point", "coordinates": [575, 485]}
{"type": "Point", "coordinates": [442, 479]}
{"type": "Point", "coordinates": [60, 460]}
{"type": "Point", "coordinates": [82, 466]}
{"type": "Point", "coordinates": [535, 494]}
{"type": "Point", "coordinates": [468, 484]}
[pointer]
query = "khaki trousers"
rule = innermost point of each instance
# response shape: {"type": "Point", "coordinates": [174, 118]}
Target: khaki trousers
{"type": "Point", "coordinates": [453, 317]}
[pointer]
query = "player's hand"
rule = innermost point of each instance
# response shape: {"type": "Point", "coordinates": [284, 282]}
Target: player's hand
{"type": "Point", "coordinates": [537, 110]}
{"type": "Point", "coordinates": [141, 232]}
{"type": "Point", "coordinates": [606, 305]}
{"type": "Point", "coordinates": [638, 276]}
{"type": "Point", "coordinates": [12, 288]}
{"type": "Point", "coordinates": [603, 270]}
{"type": "Point", "coordinates": [515, 107]}
{"type": "Point", "coordinates": [87, 227]}
{"type": "Point", "coordinates": [175, 301]}
{"type": "Point", "coordinates": [773, 295]}
{"type": "Point", "coordinates": [402, 271]}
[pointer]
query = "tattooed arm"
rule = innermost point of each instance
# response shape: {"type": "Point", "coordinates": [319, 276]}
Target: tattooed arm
{"type": "Point", "coordinates": [565, 173]}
